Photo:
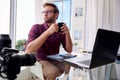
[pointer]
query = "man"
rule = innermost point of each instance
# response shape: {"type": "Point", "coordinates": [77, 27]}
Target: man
{"type": "Point", "coordinates": [45, 40]}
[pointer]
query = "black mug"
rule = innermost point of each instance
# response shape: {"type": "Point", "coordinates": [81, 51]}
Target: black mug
{"type": "Point", "coordinates": [60, 24]}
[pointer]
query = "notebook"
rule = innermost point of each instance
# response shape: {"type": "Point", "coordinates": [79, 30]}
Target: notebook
{"type": "Point", "coordinates": [104, 51]}
{"type": "Point", "coordinates": [60, 56]}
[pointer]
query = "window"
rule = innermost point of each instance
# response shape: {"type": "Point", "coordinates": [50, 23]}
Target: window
{"type": "Point", "coordinates": [25, 20]}
{"type": "Point", "coordinates": [65, 11]}
{"type": "Point", "coordinates": [4, 16]}
{"type": "Point", "coordinates": [64, 7]}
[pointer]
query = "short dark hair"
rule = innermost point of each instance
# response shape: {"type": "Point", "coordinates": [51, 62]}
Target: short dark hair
{"type": "Point", "coordinates": [53, 5]}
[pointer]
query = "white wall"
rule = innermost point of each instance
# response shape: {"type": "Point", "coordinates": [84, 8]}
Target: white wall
{"type": "Point", "coordinates": [77, 22]}
{"type": "Point", "coordinates": [38, 9]}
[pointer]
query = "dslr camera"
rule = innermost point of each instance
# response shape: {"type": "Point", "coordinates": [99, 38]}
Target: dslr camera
{"type": "Point", "coordinates": [10, 60]}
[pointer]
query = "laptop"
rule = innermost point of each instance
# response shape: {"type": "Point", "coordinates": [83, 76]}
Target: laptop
{"type": "Point", "coordinates": [104, 51]}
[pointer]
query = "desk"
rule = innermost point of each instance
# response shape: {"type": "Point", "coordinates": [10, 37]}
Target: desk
{"type": "Point", "coordinates": [102, 70]}
{"type": "Point", "coordinates": [87, 73]}
{"type": "Point", "coordinates": [66, 61]}
{"type": "Point", "coordinates": [105, 72]}
{"type": "Point", "coordinates": [98, 73]}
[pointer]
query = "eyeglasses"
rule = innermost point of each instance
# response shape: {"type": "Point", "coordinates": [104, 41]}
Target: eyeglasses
{"type": "Point", "coordinates": [48, 11]}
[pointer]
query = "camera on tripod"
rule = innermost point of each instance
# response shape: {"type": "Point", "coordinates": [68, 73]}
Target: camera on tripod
{"type": "Point", "coordinates": [10, 60]}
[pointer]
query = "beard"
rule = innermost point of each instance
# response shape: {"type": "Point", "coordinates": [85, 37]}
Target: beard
{"type": "Point", "coordinates": [49, 20]}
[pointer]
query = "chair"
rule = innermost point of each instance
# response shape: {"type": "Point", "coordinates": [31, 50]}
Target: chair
{"type": "Point", "coordinates": [37, 71]}
{"type": "Point", "coordinates": [24, 74]}
{"type": "Point", "coordinates": [31, 72]}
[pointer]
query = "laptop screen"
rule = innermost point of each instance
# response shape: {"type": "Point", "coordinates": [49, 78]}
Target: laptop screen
{"type": "Point", "coordinates": [105, 47]}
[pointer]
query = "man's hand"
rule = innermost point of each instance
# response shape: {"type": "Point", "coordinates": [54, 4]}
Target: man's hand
{"type": "Point", "coordinates": [53, 28]}
{"type": "Point", "coordinates": [65, 29]}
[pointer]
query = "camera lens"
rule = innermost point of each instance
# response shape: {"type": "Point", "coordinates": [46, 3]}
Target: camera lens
{"type": "Point", "coordinates": [16, 61]}
{"type": "Point", "coordinates": [5, 41]}
{"type": "Point", "coordinates": [24, 60]}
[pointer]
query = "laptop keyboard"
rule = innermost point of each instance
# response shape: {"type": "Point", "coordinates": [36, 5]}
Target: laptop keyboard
{"type": "Point", "coordinates": [86, 62]}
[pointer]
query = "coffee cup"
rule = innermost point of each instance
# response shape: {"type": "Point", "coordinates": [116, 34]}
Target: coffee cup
{"type": "Point", "coordinates": [60, 24]}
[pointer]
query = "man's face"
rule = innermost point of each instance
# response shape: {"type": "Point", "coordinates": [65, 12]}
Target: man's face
{"type": "Point", "coordinates": [49, 14]}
